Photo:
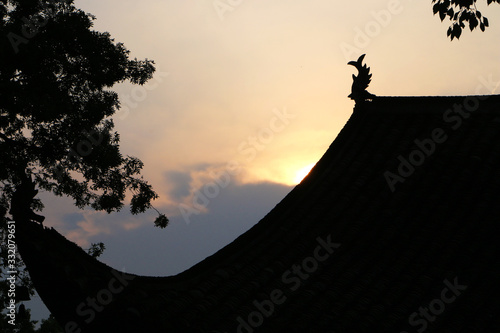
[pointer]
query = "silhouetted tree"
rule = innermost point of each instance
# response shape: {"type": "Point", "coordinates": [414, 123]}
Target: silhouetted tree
{"type": "Point", "coordinates": [56, 131]}
{"type": "Point", "coordinates": [55, 106]}
{"type": "Point", "coordinates": [460, 13]}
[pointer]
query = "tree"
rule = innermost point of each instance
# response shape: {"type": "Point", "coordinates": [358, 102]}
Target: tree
{"type": "Point", "coordinates": [56, 103]}
{"type": "Point", "coordinates": [460, 13]}
{"type": "Point", "coordinates": [55, 106]}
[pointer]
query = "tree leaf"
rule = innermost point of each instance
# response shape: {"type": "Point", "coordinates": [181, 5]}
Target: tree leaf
{"type": "Point", "coordinates": [435, 8]}
{"type": "Point", "coordinates": [442, 15]}
{"type": "Point", "coordinates": [161, 221]}
{"type": "Point", "coordinates": [473, 23]}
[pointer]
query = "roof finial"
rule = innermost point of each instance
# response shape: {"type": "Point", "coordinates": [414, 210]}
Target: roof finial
{"type": "Point", "coordinates": [361, 82]}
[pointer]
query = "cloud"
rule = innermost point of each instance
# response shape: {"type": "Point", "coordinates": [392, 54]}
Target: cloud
{"type": "Point", "coordinates": [134, 243]}
{"type": "Point", "coordinates": [82, 226]}
{"type": "Point", "coordinates": [71, 220]}
{"type": "Point", "coordinates": [147, 250]}
{"type": "Point", "coordinates": [179, 182]}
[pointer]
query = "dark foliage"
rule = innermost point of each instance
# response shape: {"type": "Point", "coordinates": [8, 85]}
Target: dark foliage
{"type": "Point", "coordinates": [461, 13]}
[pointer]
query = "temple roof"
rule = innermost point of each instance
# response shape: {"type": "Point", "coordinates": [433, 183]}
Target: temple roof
{"type": "Point", "coordinates": [394, 230]}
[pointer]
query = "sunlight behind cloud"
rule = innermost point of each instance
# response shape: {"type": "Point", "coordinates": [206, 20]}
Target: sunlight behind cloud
{"type": "Point", "coordinates": [302, 173]}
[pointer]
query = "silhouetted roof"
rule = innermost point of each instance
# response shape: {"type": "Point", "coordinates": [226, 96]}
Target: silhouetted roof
{"type": "Point", "coordinates": [395, 229]}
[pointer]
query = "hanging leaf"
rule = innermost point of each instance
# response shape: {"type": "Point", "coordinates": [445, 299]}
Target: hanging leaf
{"type": "Point", "coordinates": [161, 221]}
{"type": "Point", "coordinates": [473, 23]}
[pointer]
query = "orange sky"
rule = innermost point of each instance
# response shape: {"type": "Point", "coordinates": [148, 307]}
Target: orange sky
{"type": "Point", "coordinates": [264, 85]}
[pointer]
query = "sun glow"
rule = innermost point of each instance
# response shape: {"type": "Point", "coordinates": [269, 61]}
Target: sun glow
{"type": "Point", "coordinates": [302, 173]}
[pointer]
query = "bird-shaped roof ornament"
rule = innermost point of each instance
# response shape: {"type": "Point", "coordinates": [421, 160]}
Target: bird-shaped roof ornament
{"type": "Point", "coordinates": [360, 82]}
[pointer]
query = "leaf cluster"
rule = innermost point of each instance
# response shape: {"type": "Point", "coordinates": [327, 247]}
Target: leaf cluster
{"type": "Point", "coordinates": [461, 13]}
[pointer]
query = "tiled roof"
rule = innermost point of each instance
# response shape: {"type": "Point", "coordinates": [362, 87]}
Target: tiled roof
{"type": "Point", "coordinates": [394, 230]}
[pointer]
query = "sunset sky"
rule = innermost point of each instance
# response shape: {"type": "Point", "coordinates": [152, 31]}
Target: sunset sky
{"type": "Point", "coordinates": [247, 96]}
